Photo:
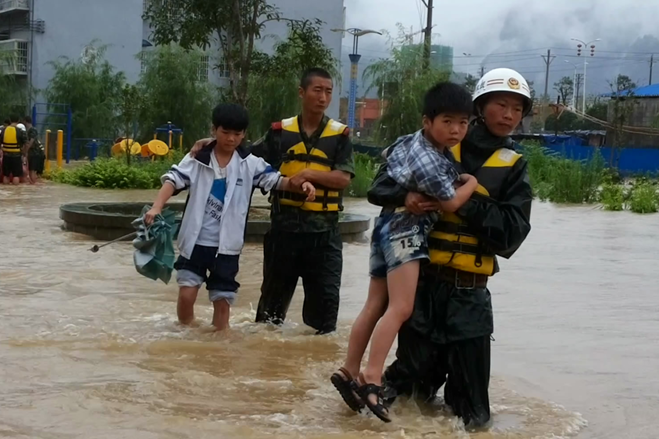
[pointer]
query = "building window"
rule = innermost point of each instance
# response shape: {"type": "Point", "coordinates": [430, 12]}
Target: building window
{"type": "Point", "coordinates": [22, 56]}
{"type": "Point", "coordinates": [202, 72]}
{"type": "Point", "coordinates": [143, 55]}
{"type": "Point", "coordinates": [223, 69]}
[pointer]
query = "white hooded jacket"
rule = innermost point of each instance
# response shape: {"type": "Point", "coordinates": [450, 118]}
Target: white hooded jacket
{"type": "Point", "coordinates": [244, 172]}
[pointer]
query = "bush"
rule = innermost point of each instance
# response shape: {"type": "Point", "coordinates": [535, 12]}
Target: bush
{"type": "Point", "coordinates": [562, 180]}
{"type": "Point", "coordinates": [114, 173]}
{"type": "Point", "coordinates": [612, 197]}
{"type": "Point", "coordinates": [643, 198]}
{"type": "Point", "coordinates": [365, 170]}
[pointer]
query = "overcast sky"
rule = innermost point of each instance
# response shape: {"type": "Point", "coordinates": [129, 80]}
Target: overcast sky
{"type": "Point", "coordinates": [528, 27]}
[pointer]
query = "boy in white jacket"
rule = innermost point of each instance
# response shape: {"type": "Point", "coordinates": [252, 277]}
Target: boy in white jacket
{"type": "Point", "coordinates": [220, 179]}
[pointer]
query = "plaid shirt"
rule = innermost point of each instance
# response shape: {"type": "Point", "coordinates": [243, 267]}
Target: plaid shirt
{"type": "Point", "coordinates": [418, 166]}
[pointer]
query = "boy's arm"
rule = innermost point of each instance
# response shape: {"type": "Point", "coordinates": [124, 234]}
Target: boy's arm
{"type": "Point", "coordinates": [435, 176]}
{"type": "Point", "coordinates": [174, 181]}
{"type": "Point", "coordinates": [181, 175]}
{"type": "Point", "coordinates": [462, 194]}
{"type": "Point", "coordinates": [267, 178]}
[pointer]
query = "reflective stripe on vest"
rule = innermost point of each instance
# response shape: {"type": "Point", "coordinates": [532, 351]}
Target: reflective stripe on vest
{"type": "Point", "coordinates": [450, 243]}
{"type": "Point", "coordinates": [319, 158]}
{"type": "Point", "coordinates": [10, 141]}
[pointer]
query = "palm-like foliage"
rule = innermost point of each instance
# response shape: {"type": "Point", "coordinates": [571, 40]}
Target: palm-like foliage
{"type": "Point", "coordinates": [401, 82]}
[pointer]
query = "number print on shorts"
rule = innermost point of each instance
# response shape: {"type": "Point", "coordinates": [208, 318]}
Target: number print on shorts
{"type": "Point", "coordinates": [411, 242]}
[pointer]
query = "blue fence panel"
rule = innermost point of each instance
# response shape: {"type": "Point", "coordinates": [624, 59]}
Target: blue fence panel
{"type": "Point", "coordinates": [631, 160]}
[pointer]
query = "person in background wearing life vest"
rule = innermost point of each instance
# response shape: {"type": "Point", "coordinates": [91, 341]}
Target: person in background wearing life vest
{"type": "Point", "coordinates": [13, 142]}
{"type": "Point", "coordinates": [304, 239]}
{"type": "Point", "coordinates": [36, 156]}
{"type": "Point", "coordinates": [447, 339]}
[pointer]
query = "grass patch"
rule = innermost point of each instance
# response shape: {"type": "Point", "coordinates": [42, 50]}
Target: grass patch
{"type": "Point", "coordinates": [365, 170]}
{"type": "Point", "coordinates": [562, 180]}
{"type": "Point", "coordinates": [643, 197]}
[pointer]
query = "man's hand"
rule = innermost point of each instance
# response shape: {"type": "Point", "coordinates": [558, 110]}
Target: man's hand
{"type": "Point", "coordinates": [150, 216]}
{"type": "Point", "coordinates": [299, 179]}
{"type": "Point", "coordinates": [310, 190]}
{"type": "Point", "coordinates": [198, 145]}
{"type": "Point", "coordinates": [419, 204]}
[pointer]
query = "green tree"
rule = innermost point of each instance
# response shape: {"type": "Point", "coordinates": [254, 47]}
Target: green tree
{"type": "Point", "coordinates": [406, 82]}
{"type": "Point", "coordinates": [567, 121]}
{"type": "Point", "coordinates": [599, 110]}
{"type": "Point", "coordinates": [129, 111]}
{"type": "Point", "coordinates": [565, 89]}
{"type": "Point", "coordinates": [233, 24]}
{"type": "Point", "coordinates": [171, 91]}
{"type": "Point", "coordinates": [93, 90]}
{"type": "Point", "coordinates": [470, 83]}
{"type": "Point", "coordinates": [273, 86]}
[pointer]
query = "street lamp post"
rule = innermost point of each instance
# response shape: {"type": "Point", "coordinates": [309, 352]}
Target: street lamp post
{"type": "Point", "coordinates": [354, 69]}
{"type": "Point", "coordinates": [574, 85]}
{"type": "Point", "coordinates": [592, 53]}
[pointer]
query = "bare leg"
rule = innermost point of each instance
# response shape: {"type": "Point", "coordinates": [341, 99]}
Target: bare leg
{"type": "Point", "coordinates": [16, 181]}
{"type": "Point", "coordinates": [375, 305]}
{"type": "Point", "coordinates": [401, 283]}
{"type": "Point", "coordinates": [33, 177]}
{"type": "Point", "coordinates": [221, 311]}
{"type": "Point", "coordinates": [185, 307]}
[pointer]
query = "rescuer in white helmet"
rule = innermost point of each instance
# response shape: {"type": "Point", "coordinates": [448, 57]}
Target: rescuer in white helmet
{"type": "Point", "coordinates": [446, 342]}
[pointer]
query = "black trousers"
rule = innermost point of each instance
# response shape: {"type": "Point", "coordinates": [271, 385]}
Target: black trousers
{"type": "Point", "coordinates": [317, 258]}
{"type": "Point", "coordinates": [446, 343]}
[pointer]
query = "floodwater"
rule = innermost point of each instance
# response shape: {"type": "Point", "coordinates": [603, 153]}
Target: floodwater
{"type": "Point", "coordinates": [90, 349]}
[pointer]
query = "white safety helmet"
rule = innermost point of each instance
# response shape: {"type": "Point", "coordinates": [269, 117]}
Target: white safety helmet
{"type": "Point", "coordinates": [503, 80]}
{"type": "Point", "coordinates": [21, 126]}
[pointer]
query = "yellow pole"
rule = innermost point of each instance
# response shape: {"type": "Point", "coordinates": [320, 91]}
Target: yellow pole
{"type": "Point", "coordinates": [155, 136]}
{"type": "Point", "coordinates": [60, 148]}
{"type": "Point", "coordinates": [181, 142]}
{"type": "Point", "coordinates": [170, 139]}
{"type": "Point", "coordinates": [47, 147]}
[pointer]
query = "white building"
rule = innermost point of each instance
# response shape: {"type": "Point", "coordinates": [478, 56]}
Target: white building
{"type": "Point", "coordinates": [41, 31]}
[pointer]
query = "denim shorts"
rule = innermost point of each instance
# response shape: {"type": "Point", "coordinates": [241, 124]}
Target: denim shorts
{"type": "Point", "coordinates": [399, 237]}
{"type": "Point", "coordinates": [217, 270]}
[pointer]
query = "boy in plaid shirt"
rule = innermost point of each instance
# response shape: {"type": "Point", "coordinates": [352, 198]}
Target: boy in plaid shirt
{"type": "Point", "coordinates": [420, 162]}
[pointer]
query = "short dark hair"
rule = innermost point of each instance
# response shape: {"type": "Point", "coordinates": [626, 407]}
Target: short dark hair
{"type": "Point", "coordinates": [230, 117]}
{"type": "Point", "coordinates": [14, 118]}
{"type": "Point", "coordinates": [315, 72]}
{"type": "Point", "coordinates": [447, 97]}
{"type": "Point", "coordinates": [27, 119]}
{"type": "Point", "coordinates": [7, 121]}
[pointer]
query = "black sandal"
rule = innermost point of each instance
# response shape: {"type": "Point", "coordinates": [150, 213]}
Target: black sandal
{"type": "Point", "coordinates": [348, 389]}
{"type": "Point", "coordinates": [378, 409]}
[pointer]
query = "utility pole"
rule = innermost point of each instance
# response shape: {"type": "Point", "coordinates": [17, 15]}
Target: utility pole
{"type": "Point", "coordinates": [577, 86]}
{"type": "Point", "coordinates": [652, 61]}
{"type": "Point", "coordinates": [548, 59]}
{"type": "Point", "coordinates": [428, 35]}
{"type": "Point", "coordinates": [482, 71]}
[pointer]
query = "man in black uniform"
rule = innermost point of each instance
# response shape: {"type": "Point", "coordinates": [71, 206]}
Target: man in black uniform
{"type": "Point", "coordinates": [447, 339]}
{"type": "Point", "coordinates": [304, 239]}
{"type": "Point", "coordinates": [13, 140]}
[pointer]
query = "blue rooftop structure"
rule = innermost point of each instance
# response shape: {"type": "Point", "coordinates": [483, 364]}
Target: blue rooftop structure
{"type": "Point", "coordinates": [648, 91]}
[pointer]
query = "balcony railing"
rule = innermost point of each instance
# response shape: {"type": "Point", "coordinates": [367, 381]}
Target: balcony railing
{"type": "Point", "coordinates": [14, 57]}
{"type": "Point", "coordinates": [12, 5]}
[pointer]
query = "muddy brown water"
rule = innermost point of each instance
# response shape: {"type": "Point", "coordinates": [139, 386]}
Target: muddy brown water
{"type": "Point", "coordinates": [89, 349]}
